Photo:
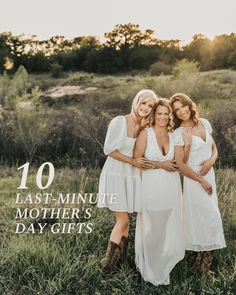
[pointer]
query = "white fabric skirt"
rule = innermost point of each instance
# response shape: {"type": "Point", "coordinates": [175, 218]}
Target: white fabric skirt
{"type": "Point", "coordinates": [119, 187]}
{"type": "Point", "coordinates": [202, 219]}
{"type": "Point", "coordinates": [159, 239]}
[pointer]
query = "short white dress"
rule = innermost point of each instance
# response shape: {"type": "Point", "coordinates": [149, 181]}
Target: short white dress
{"type": "Point", "coordinates": [159, 239]}
{"type": "Point", "coordinates": [202, 220]}
{"type": "Point", "coordinates": [117, 178]}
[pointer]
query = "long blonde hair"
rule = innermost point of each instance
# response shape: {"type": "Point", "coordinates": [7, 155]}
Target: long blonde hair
{"type": "Point", "coordinates": [185, 100]}
{"type": "Point", "coordinates": [139, 98]}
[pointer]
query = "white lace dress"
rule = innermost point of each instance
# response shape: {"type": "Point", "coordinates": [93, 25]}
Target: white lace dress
{"type": "Point", "coordinates": [159, 240]}
{"type": "Point", "coordinates": [202, 220]}
{"type": "Point", "coordinates": [117, 178]}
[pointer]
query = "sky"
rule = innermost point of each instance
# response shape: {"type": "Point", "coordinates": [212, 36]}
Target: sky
{"type": "Point", "coordinates": [170, 19]}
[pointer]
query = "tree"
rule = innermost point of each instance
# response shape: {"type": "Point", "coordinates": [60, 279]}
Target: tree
{"type": "Point", "coordinates": [199, 50]}
{"type": "Point", "coordinates": [223, 47]}
{"type": "Point", "coordinates": [5, 50]}
{"type": "Point", "coordinates": [107, 60]}
{"type": "Point", "coordinates": [128, 36]}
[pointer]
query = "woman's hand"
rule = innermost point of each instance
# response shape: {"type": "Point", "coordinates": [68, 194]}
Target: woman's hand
{"type": "Point", "coordinates": [142, 163]}
{"type": "Point", "coordinates": [187, 137]}
{"type": "Point", "coordinates": [206, 186]}
{"type": "Point", "coordinates": [206, 166]}
{"type": "Point", "coordinates": [169, 166]}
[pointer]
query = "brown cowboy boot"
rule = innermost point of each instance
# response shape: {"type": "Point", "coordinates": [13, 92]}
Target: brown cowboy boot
{"type": "Point", "coordinates": [124, 248]}
{"type": "Point", "coordinates": [203, 261]}
{"type": "Point", "coordinates": [197, 260]}
{"type": "Point", "coordinates": [207, 257]}
{"type": "Point", "coordinates": [109, 261]}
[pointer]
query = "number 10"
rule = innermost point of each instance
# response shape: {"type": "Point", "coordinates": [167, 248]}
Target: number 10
{"type": "Point", "coordinates": [39, 174]}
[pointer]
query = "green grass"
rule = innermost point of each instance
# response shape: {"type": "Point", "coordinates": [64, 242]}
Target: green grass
{"type": "Point", "coordinates": [63, 264]}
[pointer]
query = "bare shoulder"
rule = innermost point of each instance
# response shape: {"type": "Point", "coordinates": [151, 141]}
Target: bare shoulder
{"type": "Point", "coordinates": [142, 134]}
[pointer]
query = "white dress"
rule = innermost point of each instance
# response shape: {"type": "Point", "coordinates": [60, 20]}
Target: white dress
{"type": "Point", "coordinates": [117, 178]}
{"type": "Point", "coordinates": [159, 239]}
{"type": "Point", "coordinates": [202, 220]}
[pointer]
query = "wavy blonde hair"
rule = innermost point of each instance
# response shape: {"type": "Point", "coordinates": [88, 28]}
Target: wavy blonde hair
{"type": "Point", "coordinates": [139, 98]}
{"type": "Point", "coordinates": [185, 100]}
{"type": "Point", "coordinates": [165, 103]}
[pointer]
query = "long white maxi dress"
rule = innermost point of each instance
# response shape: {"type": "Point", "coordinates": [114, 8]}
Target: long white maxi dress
{"type": "Point", "coordinates": [120, 183]}
{"type": "Point", "coordinates": [202, 220]}
{"type": "Point", "coordinates": [159, 240]}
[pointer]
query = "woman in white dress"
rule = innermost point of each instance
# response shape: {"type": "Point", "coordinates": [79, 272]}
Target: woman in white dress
{"type": "Point", "coordinates": [119, 184]}
{"type": "Point", "coordinates": [159, 240]}
{"type": "Point", "coordinates": [202, 220]}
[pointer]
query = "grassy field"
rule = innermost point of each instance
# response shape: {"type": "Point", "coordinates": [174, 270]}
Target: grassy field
{"type": "Point", "coordinates": [69, 131]}
{"type": "Point", "coordinates": [63, 264]}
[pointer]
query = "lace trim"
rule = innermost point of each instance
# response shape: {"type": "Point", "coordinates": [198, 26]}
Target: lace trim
{"type": "Point", "coordinates": [191, 247]}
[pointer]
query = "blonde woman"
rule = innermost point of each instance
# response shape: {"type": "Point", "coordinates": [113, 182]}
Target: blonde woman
{"type": "Point", "coordinates": [202, 220]}
{"type": "Point", "coordinates": [159, 241]}
{"type": "Point", "coordinates": [119, 185]}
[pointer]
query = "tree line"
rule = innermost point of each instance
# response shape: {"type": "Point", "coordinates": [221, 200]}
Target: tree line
{"type": "Point", "coordinates": [126, 48]}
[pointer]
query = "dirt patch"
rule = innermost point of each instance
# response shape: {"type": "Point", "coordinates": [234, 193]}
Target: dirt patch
{"type": "Point", "coordinates": [60, 91]}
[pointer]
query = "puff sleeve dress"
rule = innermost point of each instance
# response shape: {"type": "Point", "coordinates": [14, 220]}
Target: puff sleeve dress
{"type": "Point", "coordinates": [120, 182]}
{"type": "Point", "coordinates": [202, 219]}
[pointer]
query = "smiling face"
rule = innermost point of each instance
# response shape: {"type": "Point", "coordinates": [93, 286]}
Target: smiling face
{"type": "Point", "coordinates": [162, 116]}
{"type": "Point", "coordinates": [145, 107]}
{"type": "Point", "coordinates": [182, 112]}
{"type": "Point", "coordinates": [143, 102]}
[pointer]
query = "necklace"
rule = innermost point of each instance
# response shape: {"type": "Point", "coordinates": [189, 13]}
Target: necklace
{"type": "Point", "coordinates": [190, 127]}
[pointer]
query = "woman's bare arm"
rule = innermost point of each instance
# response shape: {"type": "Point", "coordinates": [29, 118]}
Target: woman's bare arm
{"type": "Point", "coordinates": [208, 164]}
{"type": "Point", "coordinates": [139, 151]}
{"type": "Point", "coordinates": [140, 145]}
{"type": "Point", "coordinates": [187, 171]}
{"type": "Point", "coordinates": [138, 161]}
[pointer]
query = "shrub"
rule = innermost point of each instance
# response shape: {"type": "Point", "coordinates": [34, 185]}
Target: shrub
{"type": "Point", "coordinates": [56, 70]}
{"type": "Point", "coordinates": [20, 81]}
{"type": "Point", "coordinates": [185, 67]}
{"type": "Point", "coordinates": [159, 68]}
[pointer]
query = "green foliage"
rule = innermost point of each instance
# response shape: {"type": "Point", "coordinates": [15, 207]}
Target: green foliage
{"type": "Point", "coordinates": [56, 70]}
{"type": "Point", "coordinates": [76, 126]}
{"type": "Point", "coordinates": [20, 81]}
{"type": "Point", "coordinates": [159, 68]}
{"type": "Point", "coordinates": [37, 62]}
{"type": "Point", "coordinates": [223, 47]}
{"type": "Point", "coordinates": [128, 36]}
{"type": "Point", "coordinates": [13, 90]}
{"type": "Point", "coordinates": [5, 88]}
{"type": "Point", "coordinates": [200, 49]}
{"type": "Point", "coordinates": [132, 49]}
{"type": "Point", "coordinates": [31, 128]}
{"type": "Point", "coordinates": [67, 264]}
{"type": "Point", "coordinates": [184, 68]}
{"type": "Point", "coordinates": [232, 60]}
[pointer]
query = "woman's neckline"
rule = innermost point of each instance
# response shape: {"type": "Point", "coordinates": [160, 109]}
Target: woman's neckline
{"type": "Point", "coordinates": [160, 150]}
{"type": "Point", "coordinates": [205, 135]}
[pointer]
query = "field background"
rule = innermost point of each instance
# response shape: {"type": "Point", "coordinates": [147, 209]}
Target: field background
{"type": "Point", "coordinates": [68, 129]}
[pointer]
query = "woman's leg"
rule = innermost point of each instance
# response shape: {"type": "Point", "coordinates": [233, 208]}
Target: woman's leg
{"type": "Point", "coordinates": [121, 227]}
{"type": "Point", "coordinates": [118, 242]}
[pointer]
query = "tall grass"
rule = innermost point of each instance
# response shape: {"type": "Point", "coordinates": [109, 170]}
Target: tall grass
{"type": "Point", "coordinates": [66, 264]}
